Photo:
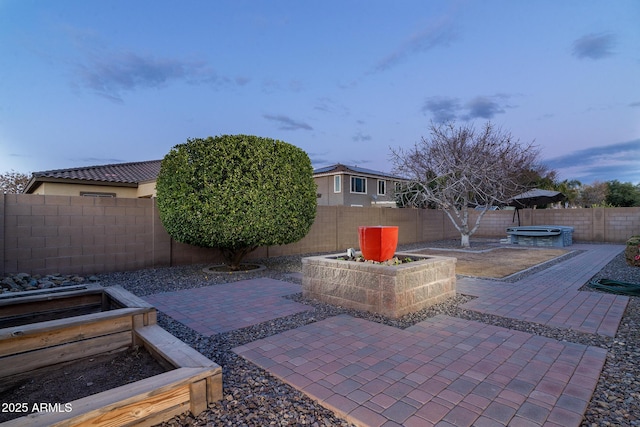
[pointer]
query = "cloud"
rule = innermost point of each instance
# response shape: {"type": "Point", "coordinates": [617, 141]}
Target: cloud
{"type": "Point", "coordinates": [634, 104]}
{"type": "Point", "coordinates": [359, 137]}
{"type": "Point", "coordinates": [546, 116]}
{"type": "Point", "coordinates": [357, 162]}
{"type": "Point", "coordinates": [446, 109]}
{"type": "Point", "coordinates": [602, 163]}
{"type": "Point", "coordinates": [98, 160]}
{"type": "Point", "coordinates": [319, 158]}
{"type": "Point", "coordinates": [287, 123]}
{"type": "Point", "coordinates": [440, 33]}
{"type": "Point", "coordinates": [328, 105]}
{"type": "Point", "coordinates": [112, 74]}
{"type": "Point", "coordinates": [296, 85]}
{"type": "Point", "coordinates": [271, 85]}
{"type": "Point", "coordinates": [443, 109]}
{"type": "Point", "coordinates": [594, 46]}
{"type": "Point", "coordinates": [483, 107]}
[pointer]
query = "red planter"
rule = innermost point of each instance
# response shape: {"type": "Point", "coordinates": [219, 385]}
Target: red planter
{"type": "Point", "coordinates": [378, 243]}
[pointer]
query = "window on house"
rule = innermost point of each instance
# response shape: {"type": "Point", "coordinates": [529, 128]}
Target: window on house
{"type": "Point", "coordinates": [337, 184]}
{"type": "Point", "coordinates": [382, 187]}
{"type": "Point", "coordinates": [358, 184]}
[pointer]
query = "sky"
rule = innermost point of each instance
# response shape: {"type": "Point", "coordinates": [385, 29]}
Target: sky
{"type": "Point", "coordinates": [107, 81]}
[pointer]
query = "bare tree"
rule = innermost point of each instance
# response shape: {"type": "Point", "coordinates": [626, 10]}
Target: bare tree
{"type": "Point", "coordinates": [459, 168]}
{"type": "Point", "coordinates": [13, 182]}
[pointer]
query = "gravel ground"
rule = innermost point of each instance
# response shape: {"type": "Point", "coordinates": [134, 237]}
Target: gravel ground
{"type": "Point", "coordinates": [252, 397]}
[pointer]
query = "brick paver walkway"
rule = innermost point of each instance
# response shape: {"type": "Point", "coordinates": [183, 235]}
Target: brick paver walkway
{"type": "Point", "coordinates": [222, 308]}
{"type": "Point", "coordinates": [444, 370]}
{"type": "Point", "coordinates": [551, 297]}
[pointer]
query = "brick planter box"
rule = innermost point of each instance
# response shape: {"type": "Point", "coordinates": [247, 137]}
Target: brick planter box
{"type": "Point", "coordinates": [390, 290]}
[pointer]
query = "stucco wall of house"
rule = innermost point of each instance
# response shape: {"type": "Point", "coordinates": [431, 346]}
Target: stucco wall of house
{"type": "Point", "coordinates": [65, 189]}
{"type": "Point", "coordinates": [345, 197]}
{"type": "Point", "coordinates": [326, 188]}
{"type": "Point", "coordinates": [146, 189]}
{"type": "Point", "coordinates": [356, 199]}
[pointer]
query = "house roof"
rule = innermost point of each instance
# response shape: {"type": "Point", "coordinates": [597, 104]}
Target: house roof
{"type": "Point", "coordinates": [120, 174]}
{"type": "Point", "coordinates": [340, 168]}
{"type": "Point", "coordinates": [133, 173]}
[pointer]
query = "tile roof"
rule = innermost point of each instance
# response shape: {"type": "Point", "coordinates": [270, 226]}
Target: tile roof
{"type": "Point", "coordinates": [344, 168]}
{"type": "Point", "coordinates": [133, 173]}
{"type": "Point", "coordinates": [137, 172]}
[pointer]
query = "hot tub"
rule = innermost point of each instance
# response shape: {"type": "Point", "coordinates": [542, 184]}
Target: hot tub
{"type": "Point", "coordinates": [541, 235]}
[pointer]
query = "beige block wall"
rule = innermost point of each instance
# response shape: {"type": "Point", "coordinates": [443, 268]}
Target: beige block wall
{"type": "Point", "coordinates": [614, 225]}
{"type": "Point", "coordinates": [86, 235]}
{"type": "Point", "coordinates": [322, 236]}
{"type": "Point", "coordinates": [619, 223]}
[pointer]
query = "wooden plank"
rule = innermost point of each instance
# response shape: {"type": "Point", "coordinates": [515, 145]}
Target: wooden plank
{"type": "Point", "coordinates": [25, 362]}
{"type": "Point", "coordinates": [132, 404]}
{"type": "Point", "coordinates": [171, 348]}
{"type": "Point", "coordinates": [45, 316]}
{"type": "Point", "coordinates": [52, 303]}
{"type": "Point", "coordinates": [214, 387]}
{"type": "Point", "coordinates": [151, 318]}
{"type": "Point", "coordinates": [12, 296]}
{"type": "Point", "coordinates": [29, 297]}
{"type": "Point", "coordinates": [198, 397]}
{"type": "Point", "coordinates": [157, 355]}
{"type": "Point", "coordinates": [159, 417]}
{"type": "Point", "coordinates": [124, 298]}
{"type": "Point", "coordinates": [138, 411]}
{"type": "Point", "coordinates": [138, 321]}
{"type": "Point", "coordinates": [49, 334]}
{"type": "Point", "coordinates": [52, 325]}
{"type": "Point", "coordinates": [106, 302]}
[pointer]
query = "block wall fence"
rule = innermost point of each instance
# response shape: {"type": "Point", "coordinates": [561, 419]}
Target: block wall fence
{"type": "Point", "coordinates": [86, 235]}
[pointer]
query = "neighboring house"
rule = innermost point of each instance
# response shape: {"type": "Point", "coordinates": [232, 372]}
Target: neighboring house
{"type": "Point", "coordinates": [337, 184]}
{"type": "Point", "coordinates": [133, 180]}
{"type": "Point", "coordinates": [354, 186]}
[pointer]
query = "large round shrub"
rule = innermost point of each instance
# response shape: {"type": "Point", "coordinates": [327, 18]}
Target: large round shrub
{"type": "Point", "coordinates": [236, 193]}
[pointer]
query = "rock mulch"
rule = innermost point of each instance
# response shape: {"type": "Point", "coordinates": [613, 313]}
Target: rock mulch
{"type": "Point", "coordinates": [25, 282]}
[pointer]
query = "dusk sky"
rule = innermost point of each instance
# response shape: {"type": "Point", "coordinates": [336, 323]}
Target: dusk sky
{"type": "Point", "coordinates": [107, 81]}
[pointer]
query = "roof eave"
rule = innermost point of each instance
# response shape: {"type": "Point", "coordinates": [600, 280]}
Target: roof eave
{"type": "Point", "coordinates": [355, 173]}
{"type": "Point", "coordinates": [35, 182]}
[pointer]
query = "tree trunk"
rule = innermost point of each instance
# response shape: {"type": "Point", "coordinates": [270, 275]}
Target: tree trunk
{"type": "Point", "coordinates": [233, 257]}
{"type": "Point", "coordinates": [464, 240]}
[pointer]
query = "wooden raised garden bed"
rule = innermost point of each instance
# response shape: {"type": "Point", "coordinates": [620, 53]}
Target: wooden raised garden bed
{"type": "Point", "coordinates": [39, 329]}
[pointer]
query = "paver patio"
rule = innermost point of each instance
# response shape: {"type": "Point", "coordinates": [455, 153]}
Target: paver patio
{"type": "Point", "coordinates": [445, 371]}
{"type": "Point", "coordinates": [215, 309]}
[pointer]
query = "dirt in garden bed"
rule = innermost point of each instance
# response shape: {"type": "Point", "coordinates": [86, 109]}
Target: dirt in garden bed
{"type": "Point", "coordinates": [63, 383]}
{"type": "Point", "coordinates": [496, 263]}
